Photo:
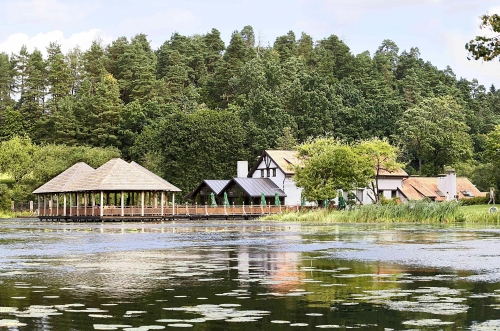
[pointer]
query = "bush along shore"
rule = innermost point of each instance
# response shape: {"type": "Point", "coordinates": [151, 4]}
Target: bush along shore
{"type": "Point", "coordinates": [410, 212]}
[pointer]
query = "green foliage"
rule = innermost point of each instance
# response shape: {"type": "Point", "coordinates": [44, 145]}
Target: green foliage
{"type": "Point", "coordinates": [486, 48]}
{"type": "Point", "coordinates": [435, 132]}
{"type": "Point", "coordinates": [30, 165]}
{"type": "Point", "coordinates": [330, 165]}
{"type": "Point", "coordinates": [474, 201]}
{"type": "Point", "coordinates": [188, 148]}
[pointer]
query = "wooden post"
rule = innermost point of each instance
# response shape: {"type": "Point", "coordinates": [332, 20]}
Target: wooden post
{"type": "Point", "coordinates": [85, 203]}
{"type": "Point", "coordinates": [39, 204]}
{"type": "Point", "coordinates": [77, 204]}
{"type": "Point", "coordinates": [173, 203]}
{"type": "Point", "coordinates": [93, 203]}
{"type": "Point", "coordinates": [57, 202]}
{"type": "Point", "coordinates": [45, 204]}
{"type": "Point", "coordinates": [70, 204]}
{"type": "Point", "coordinates": [244, 212]}
{"type": "Point", "coordinates": [187, 210]}
{"type": "Point", "coordinates": [142, 203]}
{"type": "Point", "coordinates": [162, 201]}
{"type": "Point", "coordinates": [122, 203]}
{"type": "Point", "coordinates": [206, 209]}
{"type": "Point", "coordinates": [64, 200]}
{"type": "Point", "coordinates": [102, 204]}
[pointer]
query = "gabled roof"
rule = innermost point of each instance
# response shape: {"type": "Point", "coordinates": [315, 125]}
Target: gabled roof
{"type": "Point", "coordinates": [216, 185]}
{"type": "Point", "coordinates": [118, 175]}
{"type": "Point", "coordinates": [283, 159]}
{"type": "Point", "coordinates": [61, 182]}
{"type": "Point", "coordinates": [254, 187]}
{"type": "Point", "coordinates": [398, 172]}
{"type": "Point", "coordinates": [417, 188]}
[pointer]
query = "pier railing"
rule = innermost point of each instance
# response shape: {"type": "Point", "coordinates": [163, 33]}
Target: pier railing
{"type": "Point", "coordinates": [177, 210]}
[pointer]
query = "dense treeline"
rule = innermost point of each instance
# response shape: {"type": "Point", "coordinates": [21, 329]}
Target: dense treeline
{"type": "Point", "coordinates": [193, 107]}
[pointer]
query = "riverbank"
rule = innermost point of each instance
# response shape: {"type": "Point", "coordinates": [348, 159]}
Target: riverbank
{"type": "Point", "coordinates": [422, 212]}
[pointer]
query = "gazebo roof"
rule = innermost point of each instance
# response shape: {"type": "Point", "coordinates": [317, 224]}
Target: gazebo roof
{"type": "Point", "coordinates": [61, 182]}
{"type": "Point", "coordinates": [114, 175]}
{"type": "Point", "coordinates": [118, 175]}
{"type": "Point", "coordinates": [172, 188]}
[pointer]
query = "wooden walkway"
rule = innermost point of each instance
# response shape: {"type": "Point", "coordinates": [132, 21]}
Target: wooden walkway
{"type": "Point", "coordinates": [186, 212]}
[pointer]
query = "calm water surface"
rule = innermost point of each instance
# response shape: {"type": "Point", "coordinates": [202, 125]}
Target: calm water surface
{"type": "Point", "coordinates": [247, 275]}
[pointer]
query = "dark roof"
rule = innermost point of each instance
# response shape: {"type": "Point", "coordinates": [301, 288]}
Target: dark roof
{"type": "Point", "coordinates": [254, 187]}
{"type": "Point", "coordinates": [216, 185]}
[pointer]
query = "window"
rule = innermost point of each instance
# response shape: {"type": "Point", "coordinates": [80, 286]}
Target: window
{"type": "Point", "coordinates": [467, 194]}
{"type": "Point", "coordinates": [274, 172]}
{"type": "Point", "coordinates": [440, 194]}
{"type": "Point", "coordinates": [268, 172]}
{"type": "Point", "coordinates": [393, 193]}
{"type": "Point", "coordinates": [261, 172]}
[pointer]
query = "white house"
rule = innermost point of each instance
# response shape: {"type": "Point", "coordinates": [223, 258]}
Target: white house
{"type": "Point", "coordinates": [277, 166]}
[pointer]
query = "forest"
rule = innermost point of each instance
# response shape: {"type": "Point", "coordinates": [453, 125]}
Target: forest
{"type": "Point", "coordinates": [193, 107]}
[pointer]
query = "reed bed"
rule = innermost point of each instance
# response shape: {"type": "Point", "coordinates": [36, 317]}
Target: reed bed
{"type": "Point", "coordinates": [412, 212]}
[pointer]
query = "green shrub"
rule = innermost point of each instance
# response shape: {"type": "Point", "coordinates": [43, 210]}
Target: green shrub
{"type": "Point", "coordinates": [475, 201]}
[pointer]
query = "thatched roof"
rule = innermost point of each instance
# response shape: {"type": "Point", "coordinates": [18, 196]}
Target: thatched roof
{"type": "Point", "coordinates": [61, 182]}
{"type": "Point", "coordinates": [172, 188]}
{"type": "Point", "coordinates": [114, 175]}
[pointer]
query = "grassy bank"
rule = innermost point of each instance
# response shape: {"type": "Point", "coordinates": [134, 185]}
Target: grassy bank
{"type": "Point", "coordinates": [415, 211]}
{"type": "Point", "coordinates": [9, 214]}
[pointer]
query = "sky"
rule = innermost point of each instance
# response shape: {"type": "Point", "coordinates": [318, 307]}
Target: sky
{"type": "Point", "coordinates": [439, 28]}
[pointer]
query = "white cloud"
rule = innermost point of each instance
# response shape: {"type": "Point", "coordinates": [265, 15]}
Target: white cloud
{"type": "Point", "coordinates": [40, 41]}
{"type": "Point", "coordinates": [51, 11]}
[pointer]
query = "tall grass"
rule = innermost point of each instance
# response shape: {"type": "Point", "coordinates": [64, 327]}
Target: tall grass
{"type": "Point", "coordinates": [412, 211]}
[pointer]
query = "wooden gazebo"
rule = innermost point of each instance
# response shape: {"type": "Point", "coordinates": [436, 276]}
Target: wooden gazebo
{"type": "Point", "coordinates": [116, 190]}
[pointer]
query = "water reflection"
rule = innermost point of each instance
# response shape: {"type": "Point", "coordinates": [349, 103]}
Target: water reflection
{"type": "Point", "coordinates": [246, 275]}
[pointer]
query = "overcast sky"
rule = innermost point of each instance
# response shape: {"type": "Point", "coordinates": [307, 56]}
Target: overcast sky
{"type": "Point", "coordinates": [439, 28]}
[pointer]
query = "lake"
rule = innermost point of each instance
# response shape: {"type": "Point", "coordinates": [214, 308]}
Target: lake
{"type": "Point", "coordinates": [248, 275]}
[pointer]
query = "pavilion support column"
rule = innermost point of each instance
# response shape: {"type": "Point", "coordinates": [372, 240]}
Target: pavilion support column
{"type": "Point", "coordinates": [93, 203]}
{"type": "Point", "coordinates": [38, 204]}
{"type": "Point", "coordinates": [64, 203]}
{"type": "Point", "coordinates": [45, 204]}
{"type": "Point", "coordinates": [102, 205]}
{"type": "Point", "coordinates": [122, 198]}
{"type": "Point", "coordinates": [57, 203]}
{"type": "Point", "coordinates": [70, 204]}
{"type": "Point", "coordinates": [155, 199]}
{"type": "Point", "coordinates": [162, 201]}
{"type": "Point", "coordinates": [50, 204]}
{"type": "Point", "coordinates": [142, 203]}
{"type": "Point", "coordinates": [77, 204]}
{"type": "Point", "coordinates": [85, 202]}
{"type": "Point", "coordinates": [173, 203]}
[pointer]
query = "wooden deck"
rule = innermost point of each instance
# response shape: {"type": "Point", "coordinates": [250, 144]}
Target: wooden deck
{"type": "Point", "coordinates": [190, 212]}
